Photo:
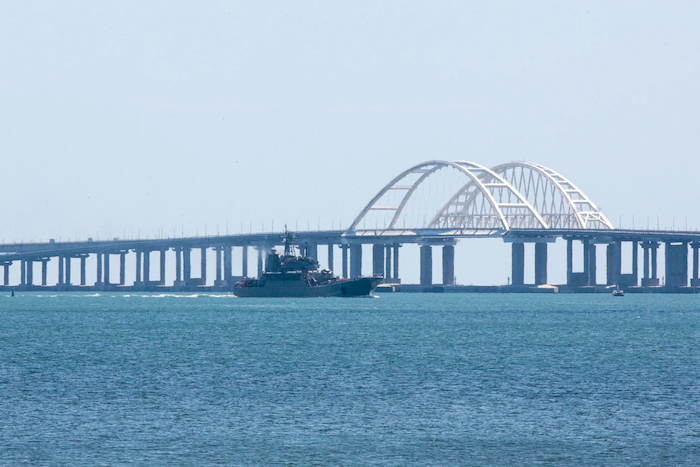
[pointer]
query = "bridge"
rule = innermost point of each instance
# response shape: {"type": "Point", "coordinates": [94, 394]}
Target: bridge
{"type": "Point", "coordinates": [434, 204]}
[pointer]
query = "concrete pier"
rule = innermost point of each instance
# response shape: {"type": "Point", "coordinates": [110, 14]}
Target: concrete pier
{"type": "Point", "coordinates": [107, 278]}
{"type": "Point", "coordinates": [261, 250]}
{"type": "Point", "coordinates": [355, 260]}
{"type": "Point", "coordinates": [676, 264]}
{"type": "Point", "coordinates": [540, 263]}
{"type": "Point", "coordinates": [122, 268]}
{"type": "Point", "coordinates": [448, 265]}
{"type": "Point", "coordinates": [518, 263]}
{"type": "Point", "coordinates": [219, 254]}
{"type": "Point", "coordinates": [139, 262]}
{"type": "Point", "coordinates": [695, 281]}
{"type": "Point", "coordinates": [203, 265]}
{"type": "Point", "coordinates": [344, 259]}
{"type": "Point", "coordinates": [426, 265]}
{"type": "Point", "coordinates": [244, 261]}
{"type": "Point", "coordinates": [187, 265]}
{"type": "Point", "coordinates": [83, 275]}
{"type": "Point", "coordinates": [330, 257]}
{"type": "Point", "coordinates": [147, 268]}
{"type": "Point", "coordinates": [396, 276]}
{"type": "Point", "coordinates": [387, 265]}
{"type": "Point", "coordinates": [228, 265]}
{"type": "Point", "coordinates": [378, 259]}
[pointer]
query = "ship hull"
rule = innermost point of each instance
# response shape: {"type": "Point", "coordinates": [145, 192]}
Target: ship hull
{"type": "Point", "coordinates": [362, 286]}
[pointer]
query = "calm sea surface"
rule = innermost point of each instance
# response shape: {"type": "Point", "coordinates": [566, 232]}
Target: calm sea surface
{"type": "Point", "coordinates": [402, 379]}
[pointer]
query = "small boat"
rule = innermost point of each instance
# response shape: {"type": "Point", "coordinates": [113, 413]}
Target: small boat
{"type": "Point", "coordinates": [618, 293]}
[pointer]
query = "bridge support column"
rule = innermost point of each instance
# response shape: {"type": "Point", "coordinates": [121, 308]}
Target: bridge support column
{"type": "Point", "coordinates": [569, 261]}
{"type": "Point", "coordinates": [61, 270]}
{"type": "Point", "coordinates": [178, 267]}
{"type": "Point", "coordinates": [107, 270]}
{"type": "Point", "coordinates": [676, 264]}
{"type": "Point", "coordinates": [219, 254]}
{"type": "Point", "coordinates": [540, 263]}
{"type": "Point", "coordinates": [244, 261]}
{"type": "Point", "coordinates": [260, 261]}
{"type": "Point", "coordinates": [614, 263]}
{"type": "Point", "coordinates": [426, 265]}
{"type": "Point", "coordinates": [311, 250]}
{"type": "Point", "coordinates": [6, 273]}
{"type": "Point", "coordinates": [387, 265]}
{"type": "Point", "coordinates": [147, 268]}
{"type": "Point", "coordinates": [344, 260]}
{"type": "Point", "coordinates": [187, 265]}
{"type": "Point", "coordinates": [397, 278]}
{"type": "Point", "coordinates": [227, 265]}
{"type": "Point", "coordinates": [695, 281]}
{"type": "Point", "coordinates": [68, 278]}
{"type": "Point", "coordinates": [591, 260]}
{"type": "Point", "coordinates": [83, 261]}
{"type": "Point", "coordinates": [355, 260]}
{"type": "Point", "coordinates": [203, 265]}
{"type": "Point", "coordinates": [635, 263]}
{"type": "Point", "coordinates": [330, 257]}
{"type": "Point", "coordinates": [122, 268]}
{"type": "Point", "coordinates": [161, 277]}
{"type": "Point", "coordinates": [518, 263]}
{"type": "Point", "coordinates": [30, 272]}
{"type": "Point", "coordinates": [44, 271]}
{"type": "Point", "coordinates": [98, 272]}
{"type": "Point", "coordinates": [448, 265]}
{"type": "Point", "coordinates": [377, 260]}
{"type": "Point", "coordinates": [139, 261]}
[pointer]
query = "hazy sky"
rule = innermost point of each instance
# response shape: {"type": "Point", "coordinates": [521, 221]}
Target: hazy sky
{"type": "Point", "coordinates": [120, 116]}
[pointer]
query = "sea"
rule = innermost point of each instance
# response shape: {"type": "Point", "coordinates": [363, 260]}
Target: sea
{"type": "Point", "coordinates": [112, 379]}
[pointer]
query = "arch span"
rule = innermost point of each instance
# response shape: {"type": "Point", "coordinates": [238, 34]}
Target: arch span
{"type": "Point", "coordinates": [560, 203]}
{"type": "Point", "coordinates": [483, 200]}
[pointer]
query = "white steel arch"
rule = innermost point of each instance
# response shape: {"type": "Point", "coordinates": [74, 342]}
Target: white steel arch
{"type": "Point", "coordinates": [560, 202]}
{"type": "Point", "coordinates": [485, 201]}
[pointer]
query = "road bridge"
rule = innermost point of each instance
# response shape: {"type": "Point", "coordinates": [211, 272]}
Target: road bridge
{"type": "Point", "coordinates": [434, 204]}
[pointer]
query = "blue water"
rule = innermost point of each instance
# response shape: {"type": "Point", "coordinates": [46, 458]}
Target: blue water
{"type": "Point", "coordinates": [402, 379]}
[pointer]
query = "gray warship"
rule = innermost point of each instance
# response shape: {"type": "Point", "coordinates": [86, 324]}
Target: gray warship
{"type": "Point", "coordinates": [289, 275]}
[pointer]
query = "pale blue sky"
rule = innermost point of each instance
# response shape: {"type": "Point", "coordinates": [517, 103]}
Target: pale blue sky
{"type": "Point", "coordinates": [119, 116]}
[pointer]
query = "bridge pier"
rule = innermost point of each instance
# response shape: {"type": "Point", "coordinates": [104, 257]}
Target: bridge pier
{"type": "Point", "coordinates": [614, 263]}
{"type": "Point", "coordinates": [6, 273]}
{"type": "Point", "coordinates": [219, 282]}
{"type": "Point", "coordinates": [30, 272]}
{"type": "Point", "coordinates": [83, 261]}
{"type": "Point", "coordinates": [161, 277]}
{"type": "Point", "coordinates": [146, 268]}
{"type": "Point", "coordinates": [344, 259]}
{"type": "Point", "coordinates": [695, 281]}
{"type": "Point", "coordinates": [355, 260]}
{"type": "Point", "coordinates": [261, 260]}
{"type": "Point", "coordinates": [448, 265]}
{"type": "Point", "coordinates": [244, 261]}
{"type": "Point", "coordinates": [311, 250]}
{"type": "Point", "coordinates": [61, 280]}
{"type": "Point", "coordinates": [517, 263]}
{"type": "Point", "coordinates": [396, 277]}
{"type": "Point", "coordinates": [676, 264]}
{"type": "Point", "coordinates": [330, 257]}
{"type": "Point", "coordinates": [138, 280]}
{"type": "Point", "coordinates": [387, 265]}
{"type": "Point", "coordinates": [178, 267]}
{"type": "Point", "coordinates": [122, 268]}
{"type": "Point", "coordinates": [107, 277]}
{"type": "Point", "coordinates": [98, 271]}
{"type": "Point", "coordinates": [540, 263]}
{"type": "Point", "coordinates": [187, 265]}
{"type": "Point", "coordinates": [426, 265]}
{"type": "Point", "coordinates": [68, 271]}
{"type": "Point", "coordinates": [203, 265]}
{"type": "Point", "coordinates": [378, 259]}
{"type": "Point", "coordinates": [650, 278]}
{"type": "Point", "coordinates": [228, 273]}
{"type": "Point", "coordinates": [44, 271]}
